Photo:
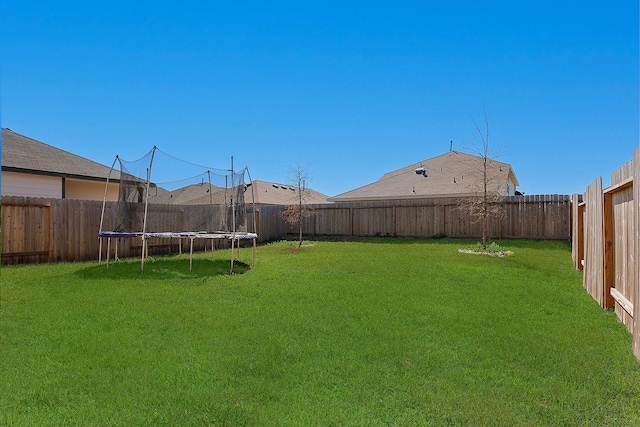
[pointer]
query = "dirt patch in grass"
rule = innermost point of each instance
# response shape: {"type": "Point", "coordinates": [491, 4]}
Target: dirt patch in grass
{"type": "Point", "coordinates": [493, 249]}
{"type": "Point", "coordinates": [499, 254]}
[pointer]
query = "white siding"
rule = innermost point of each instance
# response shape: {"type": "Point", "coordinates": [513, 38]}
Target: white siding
{"type": "Point", "coordinates": [511, 187]}
{"type": "Point", "coordinates": [27, 185]}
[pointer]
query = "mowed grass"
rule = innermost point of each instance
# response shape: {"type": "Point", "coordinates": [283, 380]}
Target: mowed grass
{"type": "Point", "coordinates": [382, 332]}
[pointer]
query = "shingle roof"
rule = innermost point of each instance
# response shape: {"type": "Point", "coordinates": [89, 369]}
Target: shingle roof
{"type": "Point", "coordinates": [271, 193]}
{"type": "Point", "coordinates": [195, 194]}
{"type": "Point", "coordinates": [23, 154]}
{"type": "Point", "coordinates": [450, 174]}
{"type": "Point", "coordinates": [264, 193]}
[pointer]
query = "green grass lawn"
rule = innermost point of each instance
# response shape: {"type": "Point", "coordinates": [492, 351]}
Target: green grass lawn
{"type": "Point", "coordinates": [382, 332]}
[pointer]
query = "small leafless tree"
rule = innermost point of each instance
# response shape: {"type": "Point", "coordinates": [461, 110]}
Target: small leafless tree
{"type": "Point", "coordinates": [295, 214]}
{"type": "Point", "coordinates": [489, 200]}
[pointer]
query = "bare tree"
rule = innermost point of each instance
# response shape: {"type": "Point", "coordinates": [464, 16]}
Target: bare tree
{"type": "Point", "coordinates": [489, 200]}
{"type": "Point", "coordinates": [295, 214]}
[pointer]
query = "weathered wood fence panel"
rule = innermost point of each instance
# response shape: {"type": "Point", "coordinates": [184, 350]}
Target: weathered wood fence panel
{"type": "Point", "coordinates": [623, 271]}
{"type": "Point", "coordinates": [270, 225]}
{"type": "Point", "coordinates": [374, 221]}
{"type": "Point", "coordinates": [620, 233]}
{"type": "Point", "coordinates": [611, 246]}
{"type": "Point", "coordinates": [593, 279]}
{"type": "Point", "coordinates": [419, 221]}
{"type": "Point", "coordinates": [459, 224]}
{"type": "Point", "coordinates": [333, 222]}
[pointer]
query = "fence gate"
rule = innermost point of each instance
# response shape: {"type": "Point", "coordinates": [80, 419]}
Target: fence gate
{"type": "Point", "coordinates": [26, 233]}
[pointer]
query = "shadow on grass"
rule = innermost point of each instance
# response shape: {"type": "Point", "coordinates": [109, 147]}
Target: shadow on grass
{"type": "Point", "coordinates": [441, 239]}
{"type": "Point", "coordinates": [534, 244]}
{"type": "Point", "coordinates": [162, 268]}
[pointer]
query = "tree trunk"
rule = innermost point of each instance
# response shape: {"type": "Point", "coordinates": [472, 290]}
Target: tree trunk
{"type": "Point", "coordinates": [300, 228]}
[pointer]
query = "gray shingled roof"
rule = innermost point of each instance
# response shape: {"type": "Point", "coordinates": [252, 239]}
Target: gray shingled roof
{"type": "Point", "coordinates": [23, 154]}
{"type": "Point", "coordinates": [195, 194]}
{"type": "Point", "coordinates": [264, 193]}
{"type": "Point", "coordinates": [271, 193]}
{"type": "Point", "coordinates": [450, 174]}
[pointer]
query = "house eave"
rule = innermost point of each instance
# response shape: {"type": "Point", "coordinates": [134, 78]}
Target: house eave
{"type": "Point", "coordinates": [58, 174]}
{"type": "Point", "coordinates": [55, 174]}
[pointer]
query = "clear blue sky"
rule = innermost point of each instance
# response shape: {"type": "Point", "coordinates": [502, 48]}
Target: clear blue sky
{"type": "Point", "coordinates": [347, 90]}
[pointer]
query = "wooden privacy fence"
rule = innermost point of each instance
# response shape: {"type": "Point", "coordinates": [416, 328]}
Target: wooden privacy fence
{"type": "Point", "coordinates": [55, 230]}
{"type": "Point", "coordinates": [606, 244]}
{"type": "Point", "coordinates": [526, 217]}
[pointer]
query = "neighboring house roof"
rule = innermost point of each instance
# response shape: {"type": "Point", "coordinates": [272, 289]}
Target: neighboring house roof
{"type": "Point", "coordinates": [179, 196]}
{"type": "Point", "coordinates": [271, 193]}
{"type": "Point", "coordinates": [452, 174]}
{"type": "Point", "coordinates": [27, 155]}
{"type": "Point", "coordinates": [264, 193]}
{"type": "Point", "coordinates": [195, 194]}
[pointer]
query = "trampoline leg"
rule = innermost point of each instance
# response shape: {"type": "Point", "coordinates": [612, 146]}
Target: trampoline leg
{"type": "Point", "coordinates": [108, 250]}
{"type": "Point", "coordinates": [142, 257]}
{"type": "Point", "coordinates": [191, 254]}
{"type": "Point", "coordinates": [232, 249]}
{"type": "Point", "coordinates": [254, 253]}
